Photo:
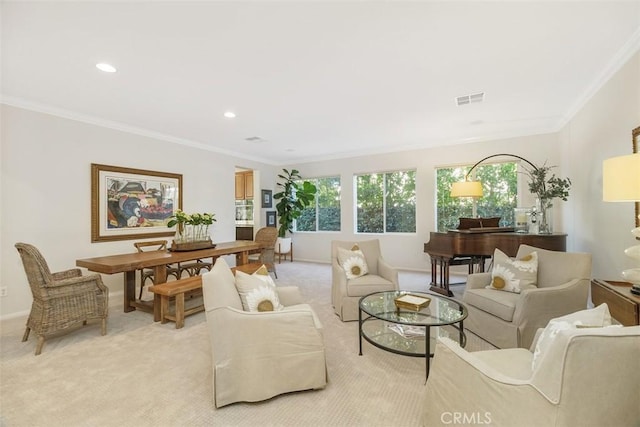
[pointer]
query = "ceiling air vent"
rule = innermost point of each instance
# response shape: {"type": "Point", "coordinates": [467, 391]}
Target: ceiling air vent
{"type": "Point", "coordinates": [468, 99]}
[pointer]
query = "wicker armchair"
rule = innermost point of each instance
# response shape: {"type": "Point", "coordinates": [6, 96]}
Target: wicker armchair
{"type": "Point", "coordinates": [61, 300]}
{"type": "Point", "coordinates": [267, 236]}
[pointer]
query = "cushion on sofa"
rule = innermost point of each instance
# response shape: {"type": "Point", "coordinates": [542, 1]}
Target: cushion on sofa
{"type": "Point", "coordinates": [597, 317]}
{"type": "Point", "coordinates": [498, 303]}
{"type": "Point", "coordinates": [256, 294]}
{"type": "Point", "coordinates": [353, 262]}
{"type": "Point", "coordinates": [514, 275]}
{"type": "Point", "coordinates": [365, 285]}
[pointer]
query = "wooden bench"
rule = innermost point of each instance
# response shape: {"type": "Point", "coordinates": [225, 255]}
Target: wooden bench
{"type": "Point", "coordinates": [177, 289]}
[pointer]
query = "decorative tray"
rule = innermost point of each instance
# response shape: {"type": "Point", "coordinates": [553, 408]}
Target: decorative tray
{"type": "Point", "coordinates": [412, 302]}
{"type": "Point", "coordinates": [192, 246]}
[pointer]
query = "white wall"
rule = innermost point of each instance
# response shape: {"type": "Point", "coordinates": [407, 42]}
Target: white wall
{"type": "Point", "coordinates": [46, 190]}
{"type": "Point", "coordinates": [45, 183]}
{"type": "Point", "coordinates": [406, 250]}
{"type": "Point", "coordinates": [602, 129]}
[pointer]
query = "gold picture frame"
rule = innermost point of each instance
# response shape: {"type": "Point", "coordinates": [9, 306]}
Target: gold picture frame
{"type": "Point", "coordinates": [129, 203]}
{"type": "Point", "coordinates": [635, 141]}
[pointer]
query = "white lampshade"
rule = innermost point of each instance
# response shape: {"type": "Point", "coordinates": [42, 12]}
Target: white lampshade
{"type": "Point", "coordinates": [621, 179]}
{"type": "Point", "coordinates": [466, 189]}
{"type": "Point", "coordinates": [621, 183]}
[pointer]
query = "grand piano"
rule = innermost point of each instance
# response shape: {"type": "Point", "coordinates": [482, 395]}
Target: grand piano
{"type": "Point", "coordinates": [476, 245]}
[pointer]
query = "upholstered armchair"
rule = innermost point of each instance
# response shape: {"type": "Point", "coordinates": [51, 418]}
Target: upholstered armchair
{"type": "Point", "coordinates": [61, 300]}
{"type": "Point", "coordinates": [589, 377]}
{"type": "Point", "coordinates": [260, 354]}
{"type": "Point", "coordinates": [346, 292]}
{"type": "Point", "coordinates": [508, 319]}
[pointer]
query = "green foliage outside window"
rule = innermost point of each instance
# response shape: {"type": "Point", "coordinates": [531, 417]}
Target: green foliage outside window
{"type": "Point", "coordinates": [386, 202]}
{"type": "Point", "coordinates": [324, 215]}
{"type": "Point", "coordinates": [500, 187]}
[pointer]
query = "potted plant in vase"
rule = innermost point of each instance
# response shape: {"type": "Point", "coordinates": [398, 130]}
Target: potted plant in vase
{"type": "Point", "coordinates": [192, 230]}
{"type": "Point", "coordinates": [546, 189]}
{"type": "Point", "coordinates": [294, 197]}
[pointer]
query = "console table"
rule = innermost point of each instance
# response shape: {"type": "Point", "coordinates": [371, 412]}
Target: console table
{"type": "Point", "coordinates": [623, 305]}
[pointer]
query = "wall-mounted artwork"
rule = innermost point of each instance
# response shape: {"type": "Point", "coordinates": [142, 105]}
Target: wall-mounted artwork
{"type": "Point", "coordinates": [635, 138]}
{"type": "Point", "coordinates": [132, 203]}
{"type": "Point", "coordinates": [271, 218]}
{"type": "Point", "coordinates": [267, 200]}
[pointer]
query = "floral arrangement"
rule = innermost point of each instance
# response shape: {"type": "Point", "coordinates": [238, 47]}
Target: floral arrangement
{"type": "Point", "coordinates": [191, 227]}
{"type": "Point", "coordinates": [545, 188]}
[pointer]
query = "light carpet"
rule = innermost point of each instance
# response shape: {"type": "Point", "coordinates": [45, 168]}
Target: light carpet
{"type": "Point", "coordinates": [148, 374]}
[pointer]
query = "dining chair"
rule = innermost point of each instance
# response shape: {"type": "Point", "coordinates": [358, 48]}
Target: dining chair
{"type": "Point", "coordinates": [147, 273]}
{"type": "Point", "coordinates": [266, 236]}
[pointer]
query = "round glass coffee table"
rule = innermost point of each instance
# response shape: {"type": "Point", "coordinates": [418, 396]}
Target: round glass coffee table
{"type": "Point", "coordinates": [410, 330]}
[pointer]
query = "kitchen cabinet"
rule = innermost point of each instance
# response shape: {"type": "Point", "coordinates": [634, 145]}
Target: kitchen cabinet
{"type": "Point", "coordinates": [244, 185]}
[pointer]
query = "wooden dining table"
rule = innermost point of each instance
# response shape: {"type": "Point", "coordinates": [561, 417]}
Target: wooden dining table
{"type": "Point", "coordinates": [129, 263]}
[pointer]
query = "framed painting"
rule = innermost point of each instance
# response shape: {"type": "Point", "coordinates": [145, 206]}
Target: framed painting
{"type": "Point", "coordinates": [267, 200]}
{"type": "Point", "coordinates": [131, 203]}
{"type": "Point", "coordinates": [635, 140]}
{"type": "Point", "coordinates": [271, 218]}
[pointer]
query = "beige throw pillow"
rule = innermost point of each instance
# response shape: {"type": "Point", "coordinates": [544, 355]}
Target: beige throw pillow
{"type": "Point", "coordinates": [257, 292]}
{"type": "Point", "coordinates": [514, 275]}
{"type": "Point", "coordinates": [353, 262]}
{"type": "Point", "coordinates": [591, 318]}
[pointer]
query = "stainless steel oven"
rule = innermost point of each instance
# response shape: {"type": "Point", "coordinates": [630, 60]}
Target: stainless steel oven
{"type": "Point", "coordinates": [244, 212]}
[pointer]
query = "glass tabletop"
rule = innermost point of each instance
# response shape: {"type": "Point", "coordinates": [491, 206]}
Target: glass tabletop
{"type": "Point", "coordinates": [440, 311]}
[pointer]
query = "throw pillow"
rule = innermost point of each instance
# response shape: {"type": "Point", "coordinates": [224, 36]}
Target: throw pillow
{"type": "Point", "coordinates": [514, 275]}
{"type": "Point", "coordinates": [591, 318]}
{"type": "Point", "coordinates": [263, 274]}
{"type": "Point", "coordinates": [256, 293]}
{"type": "Point", "coordinates": [353, 262]}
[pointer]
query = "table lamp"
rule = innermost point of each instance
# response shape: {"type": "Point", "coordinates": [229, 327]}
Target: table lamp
{"type": "Point", "coordinates": [621, 183]}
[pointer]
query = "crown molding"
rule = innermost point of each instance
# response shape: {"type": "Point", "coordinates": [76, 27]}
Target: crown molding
{"type": "Point", "coordinates": [96, 121]}
{"type": "Point", "coordinates": [630, 48]}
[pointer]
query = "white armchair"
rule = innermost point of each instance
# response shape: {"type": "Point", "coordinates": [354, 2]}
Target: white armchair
{"type": "Point", "coordinates": [507, 319]}
{"type": "Point", "coordinates": [258, 355]}
{"type": "Point", "coordinates": [346, 293]}
{"type": "Point", "coordinates": [589, 377]}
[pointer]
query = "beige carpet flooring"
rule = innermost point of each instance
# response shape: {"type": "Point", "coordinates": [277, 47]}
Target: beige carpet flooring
{"type": "Point", "coordinates": [148, 374]}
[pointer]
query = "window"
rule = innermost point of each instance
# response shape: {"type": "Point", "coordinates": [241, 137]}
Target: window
{"type": "Point", "coordinates": [386, 202]}
{"type": "Point", "coordinates": [500, 186]}
{"type": "Point", "coordinates": [324, 215]}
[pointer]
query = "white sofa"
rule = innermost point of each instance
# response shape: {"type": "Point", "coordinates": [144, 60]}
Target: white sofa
{"type": "Point", "coordinates": [346, 293]}
{"type": "Point", "coordinates": [258, 355]}
{"type": "Point", "coordinates": [507, 319]}
{"type": "Point", "coordinates": [588, 377]}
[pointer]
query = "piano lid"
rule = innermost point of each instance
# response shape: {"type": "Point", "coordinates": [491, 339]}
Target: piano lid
{"type": "Point", "coordinates": [485, 230]}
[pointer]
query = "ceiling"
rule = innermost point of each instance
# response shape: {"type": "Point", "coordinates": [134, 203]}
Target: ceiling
{"type": "Point", "coordinates": [314, 80]}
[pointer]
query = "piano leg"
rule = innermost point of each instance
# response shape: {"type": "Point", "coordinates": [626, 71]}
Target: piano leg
{"type": "Point", "coordinates": [443, 286]}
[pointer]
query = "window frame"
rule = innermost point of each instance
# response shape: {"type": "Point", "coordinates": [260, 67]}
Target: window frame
{"type": "Point", "coordinates": [384, 202]}
{"type": "Point", "coordinates": [314, 180]}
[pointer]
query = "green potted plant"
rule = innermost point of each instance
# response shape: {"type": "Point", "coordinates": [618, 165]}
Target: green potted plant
{"type": "Point", "coordinates": [294, 197]}
{"type": "Point", "coordinates": [546, 188]}
{"type": "Point", "coordinates": [192, 229]}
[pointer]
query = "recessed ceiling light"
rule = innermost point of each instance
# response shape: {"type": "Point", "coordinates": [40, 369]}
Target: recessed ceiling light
{"type": "Point", "coordinates": [229, 114]}
{"type": "Point", "coordinates": [107, 68]}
